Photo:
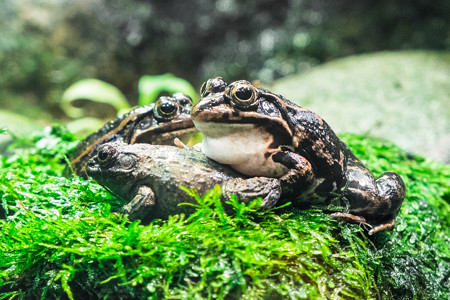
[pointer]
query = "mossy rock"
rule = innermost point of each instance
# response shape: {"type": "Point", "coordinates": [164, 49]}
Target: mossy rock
{"type": "Point", "coordinates": [62, 239]}
{"type": "Point", "coordinates": [401, 96]}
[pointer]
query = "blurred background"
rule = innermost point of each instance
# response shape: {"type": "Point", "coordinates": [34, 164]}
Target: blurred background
{"type": "Point", "coordinates": [47, 45]}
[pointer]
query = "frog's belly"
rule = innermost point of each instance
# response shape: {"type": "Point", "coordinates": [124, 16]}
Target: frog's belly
{"type": "Point", "coordinates": [244, 147]}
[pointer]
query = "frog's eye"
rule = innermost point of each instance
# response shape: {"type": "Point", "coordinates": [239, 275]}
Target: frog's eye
{"type": "Point", "coordinates": [106, 153]}
{"type": "Point", "coordinates": [243, 94]}
{"type": "Point", "coordinates": [166, 109]}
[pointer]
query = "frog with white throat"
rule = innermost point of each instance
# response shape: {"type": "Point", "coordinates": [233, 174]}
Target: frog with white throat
{"type": "Point", "coordinates": [259, 133]}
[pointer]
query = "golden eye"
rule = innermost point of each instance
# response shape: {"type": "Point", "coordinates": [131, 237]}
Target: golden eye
{"type": "Point", "coordinates": [243, 94]}
{"type": "Point", "coordinates": [165, 108]}
{"type": "Point", "coordinates": [105, 153]}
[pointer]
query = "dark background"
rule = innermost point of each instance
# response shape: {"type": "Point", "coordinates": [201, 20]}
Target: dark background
{"type": "Point", "coordinates": [47, 45]}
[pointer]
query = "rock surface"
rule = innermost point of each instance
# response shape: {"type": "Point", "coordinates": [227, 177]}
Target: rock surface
{"type": "Point", "coordinates": [400, 96]}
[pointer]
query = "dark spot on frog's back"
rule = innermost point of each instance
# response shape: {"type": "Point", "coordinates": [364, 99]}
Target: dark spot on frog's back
{"type": "Point", "coordinates": [309, 119]}
{"type": "Point", "coordinates": [268, 109]}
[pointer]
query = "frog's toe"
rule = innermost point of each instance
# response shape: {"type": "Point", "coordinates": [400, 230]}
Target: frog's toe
{"type": "Point", "coordinates": [361, 221]}
{"type": "Point", "coordinates": [388, 226]}
{"type": "Point", "coordinates": [179, 144]}
{"type": "Point", "coordinates": [348, 218]}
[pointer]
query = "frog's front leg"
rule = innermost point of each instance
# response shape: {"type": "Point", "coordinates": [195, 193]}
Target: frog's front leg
{"type": "Point", "coordinates": [246, 190]}
{"type": "Point", "coordinates": [141, 204]}
{"type": "Point", "coordinates": [299, 178]}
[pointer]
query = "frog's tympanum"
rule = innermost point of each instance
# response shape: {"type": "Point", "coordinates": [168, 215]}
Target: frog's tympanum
{"type": "Point", "coordinates": [157, 123]}
{"type": "Point", "coordinates": [149, 178]}
{"type": "Point", "coordinates": [259, 133]}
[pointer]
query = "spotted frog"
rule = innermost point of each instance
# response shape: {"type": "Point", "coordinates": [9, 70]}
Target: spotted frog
{"type": "Point", "coordinates": [157, 123]}
{"type": "Point", "coordinates": [149, 177]}
{"type": "Point", "coordinates": [259, 133]}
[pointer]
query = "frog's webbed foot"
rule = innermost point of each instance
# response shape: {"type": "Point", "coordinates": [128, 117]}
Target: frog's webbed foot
{"type": "Point", "coordinates": [389, 225]}
{"type": "Point", "coordinates": [139, 207]}
{"type": "Point", "coordinates": [246, 190]}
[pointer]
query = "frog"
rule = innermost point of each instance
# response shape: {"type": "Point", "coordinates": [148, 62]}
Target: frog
{"type": "Point", "coordinates": [260, 133]}
{"type": "Point", "coordinates": [156, 123]}
{"type": "Point", "coordinates": [148, 178]}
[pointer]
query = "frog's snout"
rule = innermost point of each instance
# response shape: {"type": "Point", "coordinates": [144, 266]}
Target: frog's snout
{"type": "Point", "coordinates": [92, 166]}
{"type": "Point", "coordinates": [198, 110]}
{"type": "Point", "coordinates": [194, 111]}
{"type": "Point", "coordinates": [91, 162]}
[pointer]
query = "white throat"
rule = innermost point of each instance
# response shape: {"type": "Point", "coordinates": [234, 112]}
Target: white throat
{"type": "Point", "coordinates": [245, 147]}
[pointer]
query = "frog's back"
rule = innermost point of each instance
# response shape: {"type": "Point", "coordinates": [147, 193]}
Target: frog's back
{"type": "Point", "coordinates": [314, 139]}
{"type": "Point", "coordinates": [166, 168]}
{"type": "Point", "coordinates": [186, 167]}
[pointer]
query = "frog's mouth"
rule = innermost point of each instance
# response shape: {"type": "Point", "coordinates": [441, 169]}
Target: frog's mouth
{"type": "Point", "coordinates": [92, 168]}
{"type": "Point", "coordinates": [204, 118]}
{"type": "Point", "coordinates": [96, 172]}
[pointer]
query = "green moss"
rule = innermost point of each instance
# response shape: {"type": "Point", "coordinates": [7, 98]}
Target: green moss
{"type": "Point", "coordinates": [413, 262]}
{"type": "Point", "coordinates": [62, 239]}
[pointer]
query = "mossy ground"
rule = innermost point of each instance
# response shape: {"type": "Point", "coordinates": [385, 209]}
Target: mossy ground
{"type": "Point", "coordinates": [62, 239]}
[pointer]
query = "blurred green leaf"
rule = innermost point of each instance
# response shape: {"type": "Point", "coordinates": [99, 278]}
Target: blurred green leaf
{"type": "Point", "coordinates": [151, 86]}
{"type": "Point", "coordinates": [17, 124]}
{"type": "Point", "coordinates": [94, 90]}
{"type": "Point", "coordinates": [84, 126]}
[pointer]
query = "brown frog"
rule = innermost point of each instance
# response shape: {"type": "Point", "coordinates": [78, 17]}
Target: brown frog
{"type": "Point", "coordinates": [157, 123]}
{"type": "Point", "coordinates": [259, 133]}
{"type": "Point", "coordinates": [149, 178]}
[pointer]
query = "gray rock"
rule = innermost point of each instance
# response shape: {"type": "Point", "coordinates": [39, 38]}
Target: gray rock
{"type": "Point", "coordinates": [400, 96]}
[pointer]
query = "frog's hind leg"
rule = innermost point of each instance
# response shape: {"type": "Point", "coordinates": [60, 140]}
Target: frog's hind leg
{"type": "Point", "coordinates": [377, 201]}
{"type": "Point", "coordinates": [390, 187]}
{"type": "Point", "coordinates": [391, 190]}
{"type": "Point", "coordinates": [350, 218]}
